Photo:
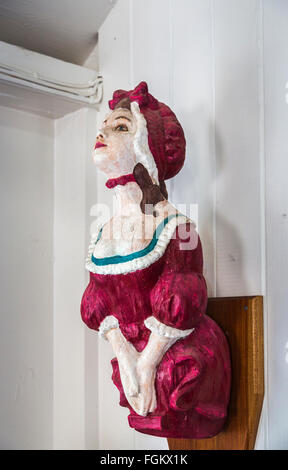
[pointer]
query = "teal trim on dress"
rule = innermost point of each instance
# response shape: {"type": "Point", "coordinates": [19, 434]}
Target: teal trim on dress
{"type": "Point", "coordinates": [138, 254]}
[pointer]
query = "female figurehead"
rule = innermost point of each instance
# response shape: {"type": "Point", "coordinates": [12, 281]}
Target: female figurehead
{"type": "Point", "coordinates": [147, 294]}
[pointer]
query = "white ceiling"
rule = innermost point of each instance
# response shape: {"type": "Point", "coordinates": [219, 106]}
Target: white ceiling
{"type": "Point", "coordinates": [65, 29]}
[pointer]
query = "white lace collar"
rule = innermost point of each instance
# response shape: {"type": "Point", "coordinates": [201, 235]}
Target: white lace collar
{"type": "Point", "coordinates": [138, 260]}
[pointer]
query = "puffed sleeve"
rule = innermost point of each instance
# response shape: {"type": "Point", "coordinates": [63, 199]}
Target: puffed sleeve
{"type": "Point", "coordinates": [179, 298]}
{"type": "Point", "coordinates": [95, 305]}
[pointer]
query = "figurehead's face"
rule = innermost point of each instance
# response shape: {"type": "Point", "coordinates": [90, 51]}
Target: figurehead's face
{"type": "Point", "coordinates": [114, 149]}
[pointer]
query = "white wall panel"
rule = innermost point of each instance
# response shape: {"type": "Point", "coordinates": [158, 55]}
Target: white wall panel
{"type": "Point", "coordinates": [26, 287]}
{"type": "Point", "coordinates": [151, 47]}
{"type": "Point", "coordinates": [69, 277]}
{"type": "Point", "coordinates": [151, 57]}
{"type": "Point", "coordinates": [91, 343]}
{"type": "Point", "coordinates": [237, 115]}
{"type": "Point", "coordinates": [193, 103]}
{"type": "Point", "coordinates": [275, 23]}
{"type": "Point", "coordinates": [240, 250]}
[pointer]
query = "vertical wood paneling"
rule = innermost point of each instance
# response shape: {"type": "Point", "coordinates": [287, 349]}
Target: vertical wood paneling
{"type": "Point", "coordinates": [151, 46]}
{"type": "Point", "coordinates": [26, 288]}
{"type": "Point", "coordinates": [91, 344]}
{"type": "Point", "coordinates": [275, 22]}
{"type": "Point", "coordinates": [151, 52]}
{"type": "Point", "coordinates": [193, 103]}
{"type": "Point", "coordinates": [238, 221]}
{"type": "Point", "coordinates": [69, 276]}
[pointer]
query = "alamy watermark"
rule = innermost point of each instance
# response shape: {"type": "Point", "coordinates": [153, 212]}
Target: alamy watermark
{"type": "Point", "coordinates": [121, 226]}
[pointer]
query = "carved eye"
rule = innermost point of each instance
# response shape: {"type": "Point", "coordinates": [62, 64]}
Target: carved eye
{"type": "Point", "coordinates": [121, 128]}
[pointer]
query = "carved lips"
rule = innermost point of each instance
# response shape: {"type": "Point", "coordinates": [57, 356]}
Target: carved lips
{"type": "Point", "coordinates": [99, 144]}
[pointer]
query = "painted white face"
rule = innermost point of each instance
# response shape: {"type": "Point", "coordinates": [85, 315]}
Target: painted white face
{"type": "Point", "coordinates": [114, 152]}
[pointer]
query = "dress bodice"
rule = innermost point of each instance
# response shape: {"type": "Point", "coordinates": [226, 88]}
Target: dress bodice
{"type": "Point", "coordinates": [164, 282]}
{"type": "Point", "coordinates": [148, 282]}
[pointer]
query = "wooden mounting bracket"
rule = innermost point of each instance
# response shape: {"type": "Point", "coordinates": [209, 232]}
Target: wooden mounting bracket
{"type": "Point", "coordinates": [241, 318]}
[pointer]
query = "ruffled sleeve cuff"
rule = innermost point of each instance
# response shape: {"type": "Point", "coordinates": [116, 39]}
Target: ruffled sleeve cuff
{"type": "Point", "coordinates": [161, 329]}
{"type": "Point", "coordinates": [108, 324]}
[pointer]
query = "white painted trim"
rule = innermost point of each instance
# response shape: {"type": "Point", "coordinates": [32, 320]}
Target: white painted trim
{"type": "Point", "coordinates": [69, 282]}
{"type": "Point", "coordinates": [110, 322]}
{"type": "Point", "coordinates": [141, 147]}
{"type": "Point", "coordinates": [161, 329]}
{"type": "Point", "coordinates": [262, 435]}
{"type": "Point", "coordinates": [138, 263]}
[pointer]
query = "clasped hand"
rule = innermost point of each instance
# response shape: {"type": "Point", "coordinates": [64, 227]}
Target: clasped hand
{"type": "Point", "coordinates": [138, 379]}
{"type": "Point", "coordinates": [138, 369]}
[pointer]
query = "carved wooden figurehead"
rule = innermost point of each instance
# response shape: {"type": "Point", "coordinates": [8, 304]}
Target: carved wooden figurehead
{"type": "Point", "coordinates": [147, 295]}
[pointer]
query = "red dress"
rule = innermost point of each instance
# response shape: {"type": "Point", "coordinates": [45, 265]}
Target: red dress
{"type": "Point", "coordinates": [193, 379]}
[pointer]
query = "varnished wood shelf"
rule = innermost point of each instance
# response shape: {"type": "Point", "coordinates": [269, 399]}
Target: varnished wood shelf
{"type": "Point", "coordinates": [241, 318]}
